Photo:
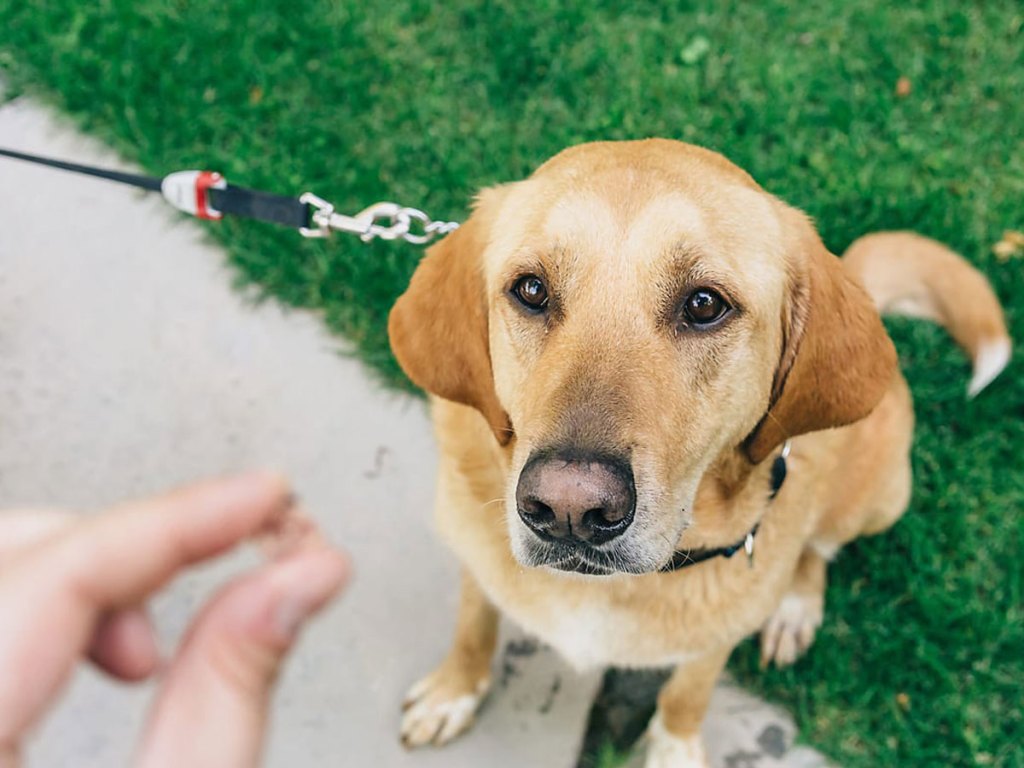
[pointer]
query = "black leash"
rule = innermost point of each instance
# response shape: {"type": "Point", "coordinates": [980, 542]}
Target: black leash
{"type": "Point", "coordinates": [207, 195]}
{"type": "Point", "coordinates": [142, 182]}
{"type": "Point", "coordinates": [681, 559]}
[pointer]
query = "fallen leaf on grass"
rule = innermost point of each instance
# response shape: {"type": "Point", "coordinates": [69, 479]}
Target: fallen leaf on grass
{"type": "Point", "coordinates": [695, 51]}
{"type": "Point", "coordinates": [1010, 247]}
{"type": "Point", "coordinates": [1015, 237]}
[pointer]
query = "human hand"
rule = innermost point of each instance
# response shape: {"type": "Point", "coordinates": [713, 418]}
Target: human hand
{"type": "Point", "coordinates": [75, 587]}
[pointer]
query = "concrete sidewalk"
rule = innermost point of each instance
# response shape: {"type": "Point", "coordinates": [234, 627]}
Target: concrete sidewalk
{"type": "Point", "coordinates": [128, 365]}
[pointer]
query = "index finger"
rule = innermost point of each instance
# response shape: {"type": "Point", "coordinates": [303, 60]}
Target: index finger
{"type": "Point", "coordinates": [119, 557]}
{"type": "Point", "coordinates": [23, 528]}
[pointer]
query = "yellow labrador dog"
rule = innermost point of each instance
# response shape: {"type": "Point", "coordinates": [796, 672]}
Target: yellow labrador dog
{"type": "Point", "coordinates": [621, 349]}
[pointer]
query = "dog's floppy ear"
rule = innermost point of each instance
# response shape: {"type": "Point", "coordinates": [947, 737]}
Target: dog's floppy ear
{"type": "Point", "coordinates": [438, 328]}
{"type": "Point", "coordinates": [837, 359]}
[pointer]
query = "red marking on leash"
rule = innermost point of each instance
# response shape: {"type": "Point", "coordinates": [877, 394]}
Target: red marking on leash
{"type": "Point", "coordinates": [204, 181]}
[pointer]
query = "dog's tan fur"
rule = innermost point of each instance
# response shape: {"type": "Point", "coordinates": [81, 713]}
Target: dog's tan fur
{"type": "Point", "coordinates": [620, 231]}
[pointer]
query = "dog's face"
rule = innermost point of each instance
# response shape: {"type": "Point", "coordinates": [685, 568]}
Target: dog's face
{"type": "Point", "coordinates": [628, 314]}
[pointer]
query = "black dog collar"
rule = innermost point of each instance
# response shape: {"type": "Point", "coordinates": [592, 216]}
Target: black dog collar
{"type": "Point", "coordinates": [681, 559]}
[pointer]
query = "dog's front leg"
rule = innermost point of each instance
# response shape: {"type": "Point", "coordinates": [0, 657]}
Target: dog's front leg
{"type": "Point", "coordinates": [674, 733]}
{"type": "Point", "coordinates": [442, 705]}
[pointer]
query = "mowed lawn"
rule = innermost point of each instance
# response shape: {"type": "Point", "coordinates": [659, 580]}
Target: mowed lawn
{"type": "Point", "coordinates": [868, 115]}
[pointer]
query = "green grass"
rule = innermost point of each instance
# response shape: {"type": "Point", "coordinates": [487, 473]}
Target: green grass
{"type": "Point", "coordinates": [425, 102]}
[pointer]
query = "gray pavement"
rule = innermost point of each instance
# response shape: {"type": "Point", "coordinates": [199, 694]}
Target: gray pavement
{"type": "Point", "coordinates": [128, 365]}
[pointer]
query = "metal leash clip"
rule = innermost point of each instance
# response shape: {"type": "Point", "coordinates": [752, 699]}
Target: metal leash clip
{"type": "Point", "coordinates": [388, 221]}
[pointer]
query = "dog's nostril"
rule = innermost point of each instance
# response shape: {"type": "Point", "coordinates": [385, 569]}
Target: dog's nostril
{"type": "Point", "coordinates": [540, 513]}
{"type": "Point", "coordinates": [600, 519]}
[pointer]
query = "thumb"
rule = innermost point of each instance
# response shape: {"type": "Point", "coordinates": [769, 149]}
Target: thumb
{"type": "Point", "coordinates": [212, 707]}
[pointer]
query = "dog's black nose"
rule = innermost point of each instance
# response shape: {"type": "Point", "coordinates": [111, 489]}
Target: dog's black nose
{"type": "Point", "coordinates": [583, 499]}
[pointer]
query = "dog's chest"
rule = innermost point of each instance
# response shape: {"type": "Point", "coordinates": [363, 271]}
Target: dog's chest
{"type": "Point", "coordinates": [653, 620]}
{"type": "Point", "coordinates": [595, 635]}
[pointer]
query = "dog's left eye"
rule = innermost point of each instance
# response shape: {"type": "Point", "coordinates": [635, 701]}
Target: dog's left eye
{"type": "Point", "coordinates": [704, 307]}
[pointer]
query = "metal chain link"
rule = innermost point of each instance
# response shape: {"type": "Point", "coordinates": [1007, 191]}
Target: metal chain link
{"type": "Point", "coordinates": [388, 221]}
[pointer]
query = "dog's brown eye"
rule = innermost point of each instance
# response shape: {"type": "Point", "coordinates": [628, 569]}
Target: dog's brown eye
{"type": "Point", "coordinates": [531, 292]}
{"type": "Point", "coordinates": [704, 306]}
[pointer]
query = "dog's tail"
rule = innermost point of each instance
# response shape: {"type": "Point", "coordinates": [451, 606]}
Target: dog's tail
{"type": "Point", "coordinates": [907, 274]}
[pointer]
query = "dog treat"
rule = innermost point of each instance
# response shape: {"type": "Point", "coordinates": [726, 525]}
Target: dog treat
{"type": "Point", "coordinates": [288, 531]}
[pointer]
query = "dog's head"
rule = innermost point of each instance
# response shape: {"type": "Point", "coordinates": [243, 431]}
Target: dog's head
{"type": "Point", "coordinates": [624, 317]}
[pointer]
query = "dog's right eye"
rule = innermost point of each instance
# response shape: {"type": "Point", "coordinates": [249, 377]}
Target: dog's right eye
{"type": "Point", "coordinates": [531, 292]}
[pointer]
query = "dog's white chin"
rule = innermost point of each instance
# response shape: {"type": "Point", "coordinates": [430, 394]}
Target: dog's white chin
{"type": "Point", "coordinates": [528, 556]}
{"type": "Point", "coordinates": [638, 552]}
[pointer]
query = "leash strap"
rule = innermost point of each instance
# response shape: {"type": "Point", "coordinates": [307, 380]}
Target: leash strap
{"type": "Point", "coordinates": [207, 195]}
{"type": "Point", "coordinates": [142, 182]}
{"type": "Point", "coordinates": [261, 206]}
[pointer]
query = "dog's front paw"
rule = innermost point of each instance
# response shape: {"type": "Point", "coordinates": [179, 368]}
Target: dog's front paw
{"type": "Point", "coordinates": [666, 750]}
{"type": "Point", "coordinates": [790, 630]}
{"type": "Point", "coordinates": [441, 706]}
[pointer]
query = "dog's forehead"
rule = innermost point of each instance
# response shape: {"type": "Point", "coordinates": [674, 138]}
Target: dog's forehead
{"type": "Point", "coordinates": [634, 227]}
{"type": "Point", "coordinates": [629, 220]}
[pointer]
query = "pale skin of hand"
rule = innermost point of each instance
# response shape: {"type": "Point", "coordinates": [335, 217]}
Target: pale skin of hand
{"type": "Point", "coordinates": [75, 587]}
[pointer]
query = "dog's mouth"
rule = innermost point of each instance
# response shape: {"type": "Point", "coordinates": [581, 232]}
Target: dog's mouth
{"type": "Point", "coordinates": [584, 560]}
{"type": "Point", "coordinates": [579, 564]}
